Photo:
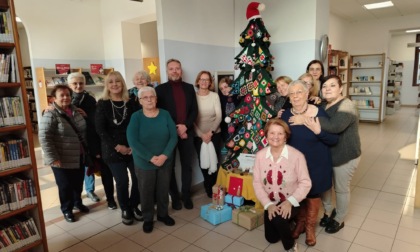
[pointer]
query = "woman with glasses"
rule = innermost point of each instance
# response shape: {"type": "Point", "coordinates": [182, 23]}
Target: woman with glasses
{"type": "Point", "coordinates": [113, 113]}
{"type": "Point", "coordinates": [152, 136]}
{"type": "Point", "coordinates": [208, 135]}
{"type": "Point", "coordinates": [315, 147]}
{"type": "Point", "coordinates": [309, 80]}
{"type": "Point", "coordinates": [316, 69]}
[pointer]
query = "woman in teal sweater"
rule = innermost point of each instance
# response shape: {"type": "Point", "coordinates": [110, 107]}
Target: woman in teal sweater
{"type": "Point", "coordinates": [152, 137]}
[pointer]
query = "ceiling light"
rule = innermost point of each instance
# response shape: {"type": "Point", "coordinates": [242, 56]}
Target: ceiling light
{"type": "Point", "coordinates": [412, 31]}
{"type": "Point", "coordinates": [378, 5]}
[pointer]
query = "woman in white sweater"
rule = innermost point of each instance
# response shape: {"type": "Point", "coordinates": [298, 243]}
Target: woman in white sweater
{"type": "Point", "coordinates": [207, 129]}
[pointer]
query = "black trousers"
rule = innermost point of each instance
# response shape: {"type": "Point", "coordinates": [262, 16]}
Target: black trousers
{"type": "Point", "coordinates": [126, 199]}
{"type": "Point", "coordinates": [279, 229]}
{"type": "Point", "coordinates": [70, 186]}
{"type": "Point", "coordinates": [209, 180]}
{"type": "Point", "coordinates": [185, 147]}
{"type": "Point", "coordinates": [107, 181]}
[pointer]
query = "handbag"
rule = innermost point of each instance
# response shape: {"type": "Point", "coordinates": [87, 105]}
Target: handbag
{"type": "Point", "coordinates": [93, 165]}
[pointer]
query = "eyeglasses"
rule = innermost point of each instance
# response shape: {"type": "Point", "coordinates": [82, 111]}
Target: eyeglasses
{"type": "Point", "coordinates": [299, 93]}
{"type": "Point", "coordinates": [148, 98]}
{"type": "Point", "coordinates": [205, 80]}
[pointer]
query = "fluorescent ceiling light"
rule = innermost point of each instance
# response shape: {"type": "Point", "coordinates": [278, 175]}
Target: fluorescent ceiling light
{"type": "Point", "coordinates": [379, 5]}
{"type": "Point", "coordinates": [412, 31]}
{"type": "Point", "coordinates": [18, 20]}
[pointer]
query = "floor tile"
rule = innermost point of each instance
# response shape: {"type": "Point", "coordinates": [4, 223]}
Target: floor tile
{"type": "Point", "coordinates": [373, 241]}
{"type": "Point", "coordinates": [125, 245]}
{"type": "Point", "coordinates": [380, 227]}
{"type": "Point", "coordinates": [169, 244]}
{"type": "Point", "coordinates": [213, 241]}
{"type": "Point", "coordinates": [104, 239]}
{"type": "Point", "coordinates": [190, 232]}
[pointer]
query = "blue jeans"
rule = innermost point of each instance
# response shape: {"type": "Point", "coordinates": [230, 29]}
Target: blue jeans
{"type": "Point", "coordinates": [89, 182]}
{"type": "Point", "coordinates": [125, 198]}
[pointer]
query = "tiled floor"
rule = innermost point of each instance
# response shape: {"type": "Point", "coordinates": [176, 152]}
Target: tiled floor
{"type": "Point", "coordinates": [381, 218]}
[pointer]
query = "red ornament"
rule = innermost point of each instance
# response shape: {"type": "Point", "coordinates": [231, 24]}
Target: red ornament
{"type": "Point", "coordinates": [231, 129]}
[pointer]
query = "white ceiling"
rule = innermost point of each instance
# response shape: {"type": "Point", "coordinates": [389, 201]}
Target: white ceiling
{"type": "Point", "coordinates": [353, 10]}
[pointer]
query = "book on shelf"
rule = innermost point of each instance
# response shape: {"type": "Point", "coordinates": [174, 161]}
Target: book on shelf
{"type": "Point", "coordinates": [17, 232]}
{"type": "Point", "coordinates": [88, 78]}
{"type": "Point", "coordinates": [14, 152]}
{"type": "Point", "coordinates": [16, 192]}
{"type": "Point", "coordinates": [59, 80]}
{"type": "Point", "coordinates": [11, 111]}
{"type": "Point", "coordinates": [6, 31]}
{"type": "Point", "coordinates": [99, 79]}
{"type": "Point", "coordinates": [96, 69]}
{"type": "Point", "coordinates": [62, 68]}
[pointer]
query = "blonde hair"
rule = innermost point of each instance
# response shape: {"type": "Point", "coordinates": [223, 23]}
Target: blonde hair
{"type": "Point", "coordinates": [119, 77]}
{"type": "Point", "coordinates": [315, 88]}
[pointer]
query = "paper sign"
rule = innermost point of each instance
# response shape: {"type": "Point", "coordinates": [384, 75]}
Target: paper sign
{"type": "Point", "coordinates": [62, 68]}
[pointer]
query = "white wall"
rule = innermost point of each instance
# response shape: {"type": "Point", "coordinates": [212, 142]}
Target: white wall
{"type": "Point", "coordinates": [149, 40]}
{"type": "Point", "coordinates": [337, 33]}
{"type": "Point", "coordinates": [399, 52]}
{"type": "Point", "coordinates": [24, 47]}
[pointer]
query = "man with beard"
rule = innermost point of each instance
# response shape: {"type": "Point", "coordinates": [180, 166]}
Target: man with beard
{"type": "Point", "coordinates": [179, 99]}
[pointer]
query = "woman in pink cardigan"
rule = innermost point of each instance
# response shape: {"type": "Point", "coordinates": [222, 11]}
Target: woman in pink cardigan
{"type": "Point", "coordinates": [281, 181]}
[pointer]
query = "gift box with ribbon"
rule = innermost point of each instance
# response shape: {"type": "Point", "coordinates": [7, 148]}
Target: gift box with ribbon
{"type": "Point", "coordinates": [237, 201]}
{"type": "Point", "coordinates": [216, 214]}
{"type": "Point", "coordinates": [218, 197]}
{"type": "Point", "coordinates": [235, 186]}
{"type": "Point", "coordinates": [248, 217]}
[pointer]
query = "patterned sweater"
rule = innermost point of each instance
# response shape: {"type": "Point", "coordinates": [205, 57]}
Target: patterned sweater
{"type": "Point", "coordinates": [286, 179]}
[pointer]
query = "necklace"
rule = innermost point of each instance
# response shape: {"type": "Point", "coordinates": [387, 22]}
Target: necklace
{"type": "Point", "coordinates": [115, 110]}
{"type": "Point", "coordinates": [303, 112]}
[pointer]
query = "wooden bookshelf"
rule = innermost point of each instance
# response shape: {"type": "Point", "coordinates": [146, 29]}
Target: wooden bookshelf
{"type": "Point", "coordinates": [15, 87]}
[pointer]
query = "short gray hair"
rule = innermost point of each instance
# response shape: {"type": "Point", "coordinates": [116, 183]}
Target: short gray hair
{"type": "Point", "coordinates": [298, 82]}
{"type": "Point", "coordinates": [74, 76]}
{"type": "Point", "coordinates": [146, 89]}
{"type": "Point", "coordinates": [143, 74]}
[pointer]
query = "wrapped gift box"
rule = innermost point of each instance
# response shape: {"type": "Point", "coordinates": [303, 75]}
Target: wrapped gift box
{"type": "Point", "coordinates": [216, 214]}
{"type": "Point", "coordinates": [218, 197]}
{"type": "Point", "coordinates": [235, 200]}
{"type": "Point", "coordinates": [235, 186]}
{"type": "Point", "coordinates": [248, 217]}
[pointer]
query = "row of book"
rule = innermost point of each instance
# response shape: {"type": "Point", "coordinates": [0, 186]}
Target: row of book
{"type": "Point", "coordinates": [11, 111]}
{"type": "Point", "coordinates": [14, 152]}
{"type": "Point", "coordinates": [364, 103]}
{"type": "Point", "coordinates": [16, 192]}
{"type": "Point", "coordinates": [17, 232]}
{"type": "Point", "coordinates": [7, 68]}
{"type": "Point", "coordinates": [6, 31]}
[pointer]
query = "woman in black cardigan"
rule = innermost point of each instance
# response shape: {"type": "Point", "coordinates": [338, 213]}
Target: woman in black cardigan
{"type": "Point", "coordinates": [113, 113]}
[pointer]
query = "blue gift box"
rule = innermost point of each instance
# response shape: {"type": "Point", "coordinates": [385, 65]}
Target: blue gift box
{"type": "Point", "coordinates": [215, 215]}
{"type": "Point", "coordinates": [235, 200]}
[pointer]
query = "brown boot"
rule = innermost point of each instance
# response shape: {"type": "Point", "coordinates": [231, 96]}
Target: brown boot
{"type": "Point", "coordinates": [300, 221]}
{"type": "Point", "coordinates": [312, 210]}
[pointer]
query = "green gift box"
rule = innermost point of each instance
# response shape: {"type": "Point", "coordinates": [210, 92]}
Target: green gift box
{"type": "Point", "coordinates": [248, 217]}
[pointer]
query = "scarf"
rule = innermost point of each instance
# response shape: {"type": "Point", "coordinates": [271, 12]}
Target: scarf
{"type": "Point", "coordinates": [77, 98]}
{"type": "Point", "coordinates": [133, 91]}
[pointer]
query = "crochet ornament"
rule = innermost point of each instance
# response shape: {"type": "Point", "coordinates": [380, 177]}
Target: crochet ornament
{"type": "Point", "coordinates": [252, 86]}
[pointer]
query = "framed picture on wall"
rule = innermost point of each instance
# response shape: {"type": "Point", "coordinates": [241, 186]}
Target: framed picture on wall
{"type": "Point", "coordinates": [218, 75]}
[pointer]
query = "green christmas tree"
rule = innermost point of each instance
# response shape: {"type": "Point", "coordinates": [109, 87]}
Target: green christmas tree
{"type": "Point", "coordinates": [252, 86]}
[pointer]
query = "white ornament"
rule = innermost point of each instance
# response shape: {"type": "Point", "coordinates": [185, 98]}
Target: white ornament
{"type": "Point", "coordinates": [253, 44]}
{"type": "Point", "coordinates": [228, 119]}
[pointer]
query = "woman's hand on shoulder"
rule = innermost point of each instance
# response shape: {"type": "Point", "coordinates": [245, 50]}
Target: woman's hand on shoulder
{"type": "Point", "coordinates": [297, 120]}
{"type": "Point", "coordinates": [313, 124]}
{"type": "Point", "coordinates": [82, 112]}
{"type": "Point", "coordinates": [317, 100]}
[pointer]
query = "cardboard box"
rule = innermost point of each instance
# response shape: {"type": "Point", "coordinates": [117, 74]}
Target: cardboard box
{"type": "Point", "coordinates": [218, 197]}
{"type": "Point", "coordinates": [216, 214]}
{"type": "Point", "coordinates": [235, 200]}
{"type": "Point", "coordinates": [248, 217]}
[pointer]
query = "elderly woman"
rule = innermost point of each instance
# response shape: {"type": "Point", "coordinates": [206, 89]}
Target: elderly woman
{"type": "Point", "coordinates": [86, 106]}
{"type": "Point", "coordinates": [315, 147]}
{"type": "Point", "coordinates": [140, 79]}
{"type": "Point", "coordinates": [63, 150]}
{"type": "Point", "coordinates": [343, 120]}
{"type": "Point", "coordinates": [281, 181]}
{"type": "Point", "coordinates": [207, 129]}
{"type": "Point", "coordinates": [113, 113]}
{"type": "Point", "coordinates": [152, 136]}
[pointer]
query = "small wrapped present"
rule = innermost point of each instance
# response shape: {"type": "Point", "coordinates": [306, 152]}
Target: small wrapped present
{"type": "Point", "coordinates": [237, 201]}
{"type": "Point", "coordinates": [216, 214]}
{"type": "Point", "coordinates": [235, 186]}
{"type": "Point", "coordinates": [248, 217]}
{"type": "Point", "coordinates": [218, 197]}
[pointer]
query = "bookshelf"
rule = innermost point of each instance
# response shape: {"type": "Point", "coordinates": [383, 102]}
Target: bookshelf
{"type": "Point", "coordinates": [22, 226]}
{"type": "Point", "coordinates": [338, 64]}
{"type": "Point", "coordinates": [46, 79]}
{"type": "Point", "coordinates": [366, 85]}
{"type": "Point", "coordinates": [27, 74]}
{"type": "Point", "coordinates": [393, 89]}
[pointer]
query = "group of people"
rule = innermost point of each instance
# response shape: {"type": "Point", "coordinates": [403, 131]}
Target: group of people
{"type": "Point", "coordinates": [313, 145]}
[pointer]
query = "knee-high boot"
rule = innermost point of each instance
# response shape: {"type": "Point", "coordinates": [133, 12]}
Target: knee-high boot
{"type": "Point", "coordinates": [300, 221]}
{"type": "Point", "coordinates": [312, 209]}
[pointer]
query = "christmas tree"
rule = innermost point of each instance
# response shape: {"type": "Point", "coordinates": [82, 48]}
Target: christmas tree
{"type": "Point", "coordinates": [252, 85]}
